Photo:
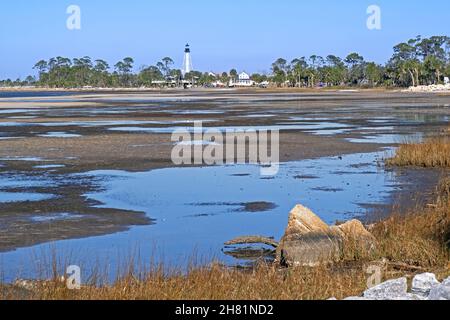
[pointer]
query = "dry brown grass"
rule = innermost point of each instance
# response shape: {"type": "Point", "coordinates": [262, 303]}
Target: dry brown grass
{"type": "Point", "coordinates": [418, 238]}
{"type": "Point", "coordinates": [217, 283]}
{"type": "Point", "coordinates": [421, 238]}
{"type": "Point", "coordinates": [432, 153]}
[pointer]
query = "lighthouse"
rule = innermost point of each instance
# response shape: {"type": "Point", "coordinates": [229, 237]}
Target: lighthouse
{"type": "Point", "coordinates": [187, 63]}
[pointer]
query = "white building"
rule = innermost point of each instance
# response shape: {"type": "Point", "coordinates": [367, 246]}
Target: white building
{"type": "Point", "coordinates": [243, 81]}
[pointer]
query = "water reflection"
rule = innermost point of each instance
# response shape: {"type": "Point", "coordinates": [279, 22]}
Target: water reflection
{"type": "Point", "coordinates": [198, 209]}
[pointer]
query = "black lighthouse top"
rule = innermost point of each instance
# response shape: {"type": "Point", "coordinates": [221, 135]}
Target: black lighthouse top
{"type": "Point", "coordinates": [187, 50]}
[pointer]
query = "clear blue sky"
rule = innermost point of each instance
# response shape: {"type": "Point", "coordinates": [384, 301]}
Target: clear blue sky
{"type": "Point", "coordinates": [244, 34]}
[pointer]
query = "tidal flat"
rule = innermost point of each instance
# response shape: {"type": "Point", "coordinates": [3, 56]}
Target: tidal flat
{"type": "Point", "coordinates": [90, 176]}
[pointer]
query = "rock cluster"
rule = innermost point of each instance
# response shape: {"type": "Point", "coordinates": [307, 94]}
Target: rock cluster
{"type": "Point", "coordinates": [308, 241]}
{"type": "Point", "coordinates": [431, 88]}
{"type": "Point", "coordinates": [424, 287]}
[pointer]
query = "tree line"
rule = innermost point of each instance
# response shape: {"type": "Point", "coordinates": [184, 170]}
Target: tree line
{"type": "Point", "coordinates": [419, 61]}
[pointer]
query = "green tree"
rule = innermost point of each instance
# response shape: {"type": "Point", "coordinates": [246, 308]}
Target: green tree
{"type": "Point", "coordinates": [312, 70]}
{"type": "Point", "coordinates": [150, 74]}
{"type": "Point", "coordinates": [42, 67]}
{"type": "Point", "coordinates": [101, 76]}
{"type": "Point", "coordinates": [233, 75]}
{"type": "Point", "coordinates": [167, 63]}
{"type": "Point", "coordinates": [356, 65]}
{"type": "Point", "coordinates": [279, 71]}
{"type": "Point", "coordinates": [406, 60]}
{"type": "Point", "coordinates": [433, 67]}
{"type": "Point", "coordinates": [258, 78]}
{"type": "Point", "coordinates": [374, 73]}
{"type": "Point", "coordinates": [101, 66]}
{"type": "Point", "coordinates": [124, 68]}
{"type": "Point", "coordinates": [434, 52]}
{"type": "Point", "coordinates": [299, 67]}
{"type": "Point", "coordinates": [334, 72]}
{"type": "Point", "coordinates": [30, 80]}
{"type": "Point", "coordinates": [225, 78]}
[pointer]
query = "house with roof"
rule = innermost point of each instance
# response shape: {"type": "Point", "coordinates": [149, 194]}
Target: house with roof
{"type": "Point", "coordinates": [242, 81]}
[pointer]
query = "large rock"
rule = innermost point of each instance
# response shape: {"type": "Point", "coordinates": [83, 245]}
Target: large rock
{"type": "Point", "coordinates": [302, 221]}
{"type": "Point", "coordinates": [441, 291]}
{"type": "Point", "coordinates": [389, 290]}
{"type": "Point", "coordinates": [355, 236]}
{"type": "Point", "coordinates": [307, 240]}
{"type": "Point", "coordinates": [310, 241]}
{"type": "Point", "coordinates": [423, 283]}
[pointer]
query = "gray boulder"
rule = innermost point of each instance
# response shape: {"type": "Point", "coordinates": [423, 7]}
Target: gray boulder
{"type": "Point", "coordinates": [423, 283]}
{"type": "Point", "coordinates": [441, 291]}
{"type": "Point", "coordinates": [389, 290]}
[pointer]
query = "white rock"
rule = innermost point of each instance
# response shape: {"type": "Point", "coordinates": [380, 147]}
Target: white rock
{"type": "Point", "coordinates": [388, 290]}
{"type": "Point", "coordinates": [441, 292]}
{"type": "Point", "coordinates": [408, 297]}
{"type": "Point", "coordinates": [356, 299]}
{"type": "Point", "coordinates": [423, 283]}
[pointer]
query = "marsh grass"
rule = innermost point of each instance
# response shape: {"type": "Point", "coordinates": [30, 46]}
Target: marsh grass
{"type": "Point", "coordinates": [431, 153]}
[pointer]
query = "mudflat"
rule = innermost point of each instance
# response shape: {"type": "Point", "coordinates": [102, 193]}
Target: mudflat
{"type": "Point", "coordinates": [48, 143]}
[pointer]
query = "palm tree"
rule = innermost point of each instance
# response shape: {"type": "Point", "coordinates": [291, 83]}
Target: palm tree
{"type": "Point", "coordinates": [298, 69]}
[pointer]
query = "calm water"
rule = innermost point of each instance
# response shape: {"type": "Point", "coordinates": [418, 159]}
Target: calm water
{"type": "Point", "coordinates": [36, 94]}
{"type": "Point", "coordinates": [196, 210]}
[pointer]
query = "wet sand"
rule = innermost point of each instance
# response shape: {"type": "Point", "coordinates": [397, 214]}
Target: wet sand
{"type": "Point", "coordinates": [55, 138]}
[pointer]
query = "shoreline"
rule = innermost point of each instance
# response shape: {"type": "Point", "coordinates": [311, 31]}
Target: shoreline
{"type": "Point", "coordinates": [180, 92]}
{"type": "Point", "coordinates": [198, 89]}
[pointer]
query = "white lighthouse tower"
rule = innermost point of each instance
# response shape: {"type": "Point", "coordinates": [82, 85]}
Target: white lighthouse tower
{"type": "Point", "coordinates": [187, 63]}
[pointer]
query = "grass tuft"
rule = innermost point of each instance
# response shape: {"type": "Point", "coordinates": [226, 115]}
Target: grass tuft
{"type": "Point", "coordinates": [432, 153]}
